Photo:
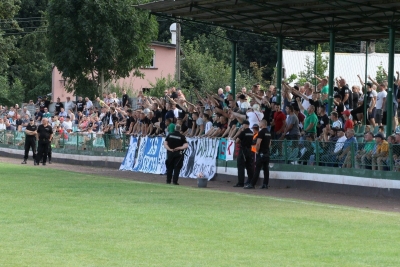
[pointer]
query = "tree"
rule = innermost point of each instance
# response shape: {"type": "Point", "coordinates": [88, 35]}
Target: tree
{"type": "Point", "coordinates": [8, 26]}
{"type": "Point", "coordinates": [91, 41]}
{"type": "Point", "coordinates": [308, 74]}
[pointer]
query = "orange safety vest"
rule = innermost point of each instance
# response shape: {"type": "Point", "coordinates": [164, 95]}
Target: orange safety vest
{"type": "Point", "coordinates": [253, 147]}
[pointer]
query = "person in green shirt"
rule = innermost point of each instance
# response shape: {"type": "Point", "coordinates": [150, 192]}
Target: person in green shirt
{"type": "Point", "coordinates": [364, 156]}
{"type": "Point", "coordinates": [170, 126]}
{"type": "Point", "coordinates": [311, 121]}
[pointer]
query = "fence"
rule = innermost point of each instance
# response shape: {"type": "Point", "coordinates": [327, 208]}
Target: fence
{"type": "Point", "coordinates": [316, 153]}
{"type": "Point", "coordinates": [74, 143]}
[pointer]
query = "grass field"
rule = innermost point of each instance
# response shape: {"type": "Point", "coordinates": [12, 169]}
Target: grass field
{"type": "Point", "coordinates": [58, 218]}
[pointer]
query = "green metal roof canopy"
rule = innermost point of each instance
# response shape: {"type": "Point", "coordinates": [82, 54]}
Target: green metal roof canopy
{"type": "Point", "coordinates": [305, 20]}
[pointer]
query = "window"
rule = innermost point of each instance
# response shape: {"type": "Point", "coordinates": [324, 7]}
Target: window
{"type": "Point", "coordinates": [152, 62]}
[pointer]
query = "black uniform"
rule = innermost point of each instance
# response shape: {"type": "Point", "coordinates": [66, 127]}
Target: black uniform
{"type": "Point", "coordinates": [174, 160]}
{"type": "Point", "coordinates": [44, 133]}
{"type": "Point", "coordinates": [245, 158]}
{"type": "Point", "coordinates": [30, 142]}
{"type": "Point", "coordinates": [262, 157]}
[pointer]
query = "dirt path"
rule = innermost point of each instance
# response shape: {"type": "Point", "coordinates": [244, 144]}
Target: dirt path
{"type": "Point", "coordinates": [372, 203]}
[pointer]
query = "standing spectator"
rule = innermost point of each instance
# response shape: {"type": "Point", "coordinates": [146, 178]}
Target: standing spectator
{"type": "Point", "coordinates": [380, 104]}
{"type": "Point", "coordinates": [278, 122]}
{"type": "Point", "coordinates": [346, 94]}
{"type": "Point", "coordinates": [348, 124]}
{"type": "Point", "coordinates": [45, 135]}
{"type": "Point", "coordinates": [245, 158]}
{"type": "Point", "coordinates": [292, 130]}
{"type": "Point", "coordinates": [125, 98]}
{"type": "Point", "coordinates": [323, 120]}
{"type": "Point", "coordinates": [80, 105]}
{"type": "Point", "coordinates": [58, 106]}
{"type": "Point", "coordinates": [69, 104]}
{"type": "Point", "coordinates": [311, 121]}
{"type": "Point", "coordinates": [263, 144]}
{"type": "Point", "coordinates": [30, 140]}
{"type": "Point", "coordinates": [47, 102]}
{"type": "Point", "coordinates": [88, 105]}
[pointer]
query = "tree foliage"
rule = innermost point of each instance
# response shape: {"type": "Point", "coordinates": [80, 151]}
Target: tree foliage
{"type": "Point", "coordinates": [89, 38]}
{"type": "Point", "coordinates": [308, 74]}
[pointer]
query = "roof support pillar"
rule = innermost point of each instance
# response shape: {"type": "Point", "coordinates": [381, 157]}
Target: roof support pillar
{"type": "Point", "coordinates": [315, 65]}
{"type": "Point", "coordinates": [279, 71]}
{"type": "Point", "coordinates": [365, 117]}
{"type": "Point", "coordinates": [332, 44]}
{"type": "Point", "coordinates": [233, 73]}
{"type": "Point", "coordinates": [389, 97]}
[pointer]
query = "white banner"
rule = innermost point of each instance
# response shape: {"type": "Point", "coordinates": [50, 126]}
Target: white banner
{"type": "Point", "coordinates": [230, 149]}
{"type": "Point", "coordinates": [129, 160]}
{"type": "Point", "coordinates": [200, 157]}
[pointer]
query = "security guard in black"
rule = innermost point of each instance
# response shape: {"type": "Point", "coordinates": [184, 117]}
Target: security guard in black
{"type": "Point", "coordinates": [30, 140]}
{"type": "Point", "coordinates": [245, 158]}
{"type": "Point", "coordinates": [45, 134]}
{"type": "Point", "coordinates": [175, 143]}
{"type": "Point", "coordinates": [262, 156]}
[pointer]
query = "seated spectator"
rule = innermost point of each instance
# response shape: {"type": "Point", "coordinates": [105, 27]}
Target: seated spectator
{"type": "Point", "coordinates": [330, 158]}
{"type": "Point", "coordinates": [350, 147]}
{"type": "Point", "coordinates": [62, 113]}
{"type": "Point", "coordinates": [9, 127]}
{"type": "Point", "coordinates": [2, 125]}
{"type": "Point", "coordinates": [364, 156]}
{"type": "Point", "coordinates": [67, 124]}
{"type": "Point", "coordinates": [46, 113]}
{"type": "Point", "coordinates": [336, 123]}
{"type": "Point", "coordinates": [382, 151]}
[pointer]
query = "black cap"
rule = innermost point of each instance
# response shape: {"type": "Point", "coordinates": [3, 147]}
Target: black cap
{"type": "Point", "coordinates": [68, 117]}
{"type": "Point", "coordinates": [255, 126]}
{"type": "Point", "coordinates": [380, 135]}
{"type": "Point", "coordinates": [242, 97]}
{"type": "Point", "coordinates": [246, 122]}
{"type": "Point", "coordinates": [30, 119]}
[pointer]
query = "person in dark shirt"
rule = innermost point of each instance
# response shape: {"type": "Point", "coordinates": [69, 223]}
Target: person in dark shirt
{"type": "Point", "coordinates": [45, 135]}
{"type": "Point", "coordinates": [346, 94]}
{"type": "Point", "coordinates": [47, 102]}
{"type": "Point", "coordinates": [262, 156]}
{"type": "Point", "coordinates": [38, 115]}
{"type": "Point", "coordinates": [30, 140]}
{"type": "Point", "coordinates": [245, 158]}
{"type": "Point", "coordinates": [80, 104]}
{"type": "Point", "coordinates": [58, 106]}
{"type": "Point", "coordinates": [323, 120]}
{"type": "Point", "coordinates": [176, 144]}
{"type": "Point", "coordinates": [339, 105]}
{"type": "Point", "coordinates": [125, 98]}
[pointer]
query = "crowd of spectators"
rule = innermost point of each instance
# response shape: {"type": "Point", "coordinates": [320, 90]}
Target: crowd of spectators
{"type": "Point", "coordinates": [301, 118]}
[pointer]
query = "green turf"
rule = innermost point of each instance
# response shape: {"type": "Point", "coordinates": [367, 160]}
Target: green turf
{"type": "Point", "coordinates": [58, 218]}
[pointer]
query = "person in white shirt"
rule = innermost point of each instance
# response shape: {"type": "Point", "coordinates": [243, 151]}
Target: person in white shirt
{"type": "Point", "coordinates": [380, 104]}
{"type": "Point", "coordinates": [69, 104]}
{"type": "Point", "coordinates": [336, 123]}
{"type": "Point", "coordinates": [207, 122]}
{"type": "Point", "coordinates": [254, 115]}
{"type": "Point", "coordinates": [2, 125]}
{"type": "Point", "coordinates": [89, 103]}
{"type": "Point", "coordinates": [67, 124]}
